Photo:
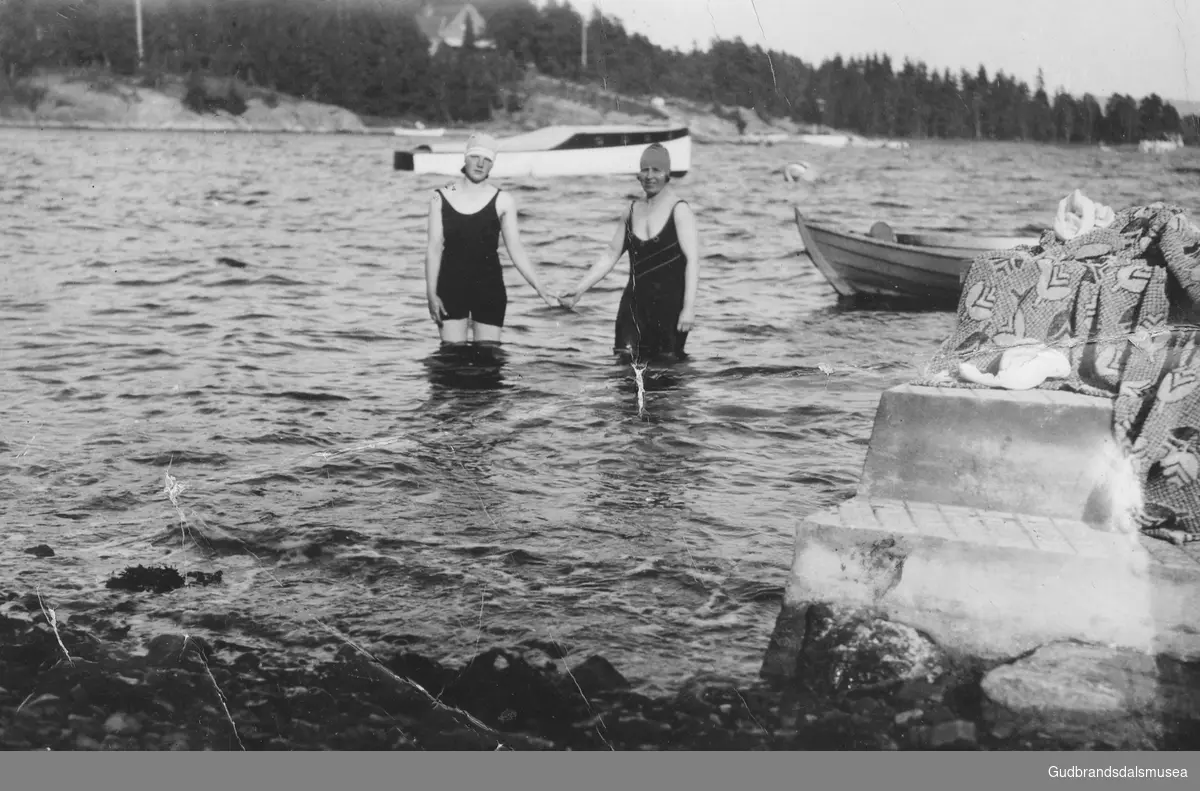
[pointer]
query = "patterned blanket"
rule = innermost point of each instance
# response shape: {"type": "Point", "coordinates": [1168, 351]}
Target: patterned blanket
{"type": "Point", "coordinates": [1119, 303]}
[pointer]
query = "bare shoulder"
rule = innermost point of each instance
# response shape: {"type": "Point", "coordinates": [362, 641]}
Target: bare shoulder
{"type": "Point", "coordinates": [505, 202]}
{"type": "Point", "coordinates": [683, 210]}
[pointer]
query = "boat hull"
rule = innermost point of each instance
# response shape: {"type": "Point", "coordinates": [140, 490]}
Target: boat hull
{"type": "Point", "coordinates": [400, 131]}
{"type": "Point", "coordinates": [829, 141]}
{"type": "Point", "coordinates": [861, 265]}
{"type": "Point", "coordinates": [596, 153]}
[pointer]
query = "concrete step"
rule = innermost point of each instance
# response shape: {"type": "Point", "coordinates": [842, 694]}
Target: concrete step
{"type": "Point", "coordinates": [1038, 452]}
{"type": "Point", "coordinates": [997, 584]}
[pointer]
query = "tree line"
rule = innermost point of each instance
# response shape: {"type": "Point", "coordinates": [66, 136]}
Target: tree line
{"type": "Point", "coordinates": [866, 95]}
{"type": "Point", "coordinates": [369, 57]}
{"type": "Point", "coordinates": [373, 58]}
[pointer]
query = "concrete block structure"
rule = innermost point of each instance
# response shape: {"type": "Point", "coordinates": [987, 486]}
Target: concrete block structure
{"type": "Point", "coordinates": [992, 521]}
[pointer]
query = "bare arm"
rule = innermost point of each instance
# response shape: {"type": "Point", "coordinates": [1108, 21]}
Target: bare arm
{"type": "Point", "coordinates": [433, 259]}
{"type": "Point", "coordinates": [507, 208]}
{"type": "Point", "coordinates": [689, 242]}
{"type": "Point", "coordinates": [604, 264]}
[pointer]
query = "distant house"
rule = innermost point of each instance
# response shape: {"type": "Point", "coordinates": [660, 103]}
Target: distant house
{"type": "Point", "coordinates": [447, 25]}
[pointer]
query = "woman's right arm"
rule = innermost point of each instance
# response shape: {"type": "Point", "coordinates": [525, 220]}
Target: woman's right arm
{"type": "Point", "coordinates": [433, 260]}
{"type": "Point", "coordinates": [604, 264]}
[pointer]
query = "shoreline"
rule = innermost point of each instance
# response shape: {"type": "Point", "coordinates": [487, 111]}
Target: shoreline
{"type": "Point", "coordinates": [82, 681]}
{"type": "Point", "coordinates": [88, 100]}
{"type": "Point", "coordinates": [507, 129]}
{"type": "Point", "coordinates": [7, 123]}
{"type": "Point", "coordinates": [101, 101]}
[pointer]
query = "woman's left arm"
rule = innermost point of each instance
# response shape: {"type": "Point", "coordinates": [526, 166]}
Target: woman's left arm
{"type": "Point", "coordinates": [689, 242]}
{"type": "Point", "coordinates": [507, 208]}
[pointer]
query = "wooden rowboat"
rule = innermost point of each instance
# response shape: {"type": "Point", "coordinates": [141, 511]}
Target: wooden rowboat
{"type": "Point", "coordinates": [560, 151]}
{"type": "Point", "coordinates": [925, 267]}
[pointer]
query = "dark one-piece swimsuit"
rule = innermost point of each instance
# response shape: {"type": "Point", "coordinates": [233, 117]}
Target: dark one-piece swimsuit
{"type": "Point", "coordinates": [470, 281]}
{"type": "Point", "coordinates": [649, 312]}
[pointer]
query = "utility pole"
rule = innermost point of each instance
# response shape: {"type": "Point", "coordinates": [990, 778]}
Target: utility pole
{"type": "Point", "coordinates": [583, 52]}
{"type": "Point", "coordinates": [137, 4]}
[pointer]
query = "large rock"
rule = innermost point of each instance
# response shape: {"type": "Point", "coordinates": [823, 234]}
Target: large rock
{"type": "Point", "coordinates": [178, 650]}
{"type": "Point", "coordinates": [1085, 693]}
{"type": "Point", "coordinates": [848, 651]}
{"type": "Point", "coordinates": [504, 691]}
{"type": "Point", "coordinates": [293, 115]}
{"type": "Point", "coordinates": [596, 675]}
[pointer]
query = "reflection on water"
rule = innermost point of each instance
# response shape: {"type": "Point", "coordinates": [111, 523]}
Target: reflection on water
{"type": "Point", "coordinates": [656, 466]}
{"type": "Point", "coordinates": [652, 471]}
{"type": "Point", "coordinates": [468, 409]}
{"type": "Point", "coordinates": [889, 303]}
{"type": "Point", "coordinates": [467, 366]}
{"type": "Point", "coordinates": [657, 392]}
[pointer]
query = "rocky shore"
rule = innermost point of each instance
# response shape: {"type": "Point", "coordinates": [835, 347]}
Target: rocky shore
{"type": "Point", "coordinates": [86, 681]}
{"type": "Point", "coordinates": [101, 100]}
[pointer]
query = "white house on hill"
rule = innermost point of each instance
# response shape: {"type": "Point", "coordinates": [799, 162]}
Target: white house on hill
{"type": "Point", "coordinates": [447, 25]}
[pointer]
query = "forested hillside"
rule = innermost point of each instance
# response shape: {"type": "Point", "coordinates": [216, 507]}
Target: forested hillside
{"type": "Point", "coordinates": [372, 57]}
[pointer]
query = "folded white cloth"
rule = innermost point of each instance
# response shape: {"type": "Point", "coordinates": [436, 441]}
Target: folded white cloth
{"type": "Point", "coordinates": [1021, 368]}
{"type": "Point", "coordinates": [1078, 214]}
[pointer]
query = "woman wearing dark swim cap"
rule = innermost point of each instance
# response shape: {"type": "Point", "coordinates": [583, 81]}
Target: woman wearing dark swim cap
{"type": "Point", "coordinates": [658, 307]}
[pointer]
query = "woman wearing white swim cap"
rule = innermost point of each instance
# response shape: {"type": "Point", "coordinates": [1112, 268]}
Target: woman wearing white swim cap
{"type": "Point", "coordinates": [463, 278]}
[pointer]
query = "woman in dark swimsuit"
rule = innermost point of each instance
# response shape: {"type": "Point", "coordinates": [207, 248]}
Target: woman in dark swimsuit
{"type": "Point", "coordinates": [463, 279]}
{"type": "Point", "coordinates": [658, 308]}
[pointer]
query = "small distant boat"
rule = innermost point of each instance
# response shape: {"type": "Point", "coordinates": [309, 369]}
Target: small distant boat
{"type": "Point", "coordinates": [829, 140]}
{"type": "Point", "coordinates": [832, 140]}
{"type": "Point", "coordinates": [925, 267]}
{"type": "Point", "coordinates": [560, 151]}
{"type": "Point", "coordinates": [418, 131]}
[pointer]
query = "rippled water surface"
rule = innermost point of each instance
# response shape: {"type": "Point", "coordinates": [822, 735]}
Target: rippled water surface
{"type": "Point", "coordinates": [351, 485]}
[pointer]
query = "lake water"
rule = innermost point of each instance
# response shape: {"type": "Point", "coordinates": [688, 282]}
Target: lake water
{"type": "Point", "coordinates": [350, 487]}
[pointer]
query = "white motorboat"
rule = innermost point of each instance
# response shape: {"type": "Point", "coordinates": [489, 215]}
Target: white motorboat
{"type": "Point", "coordinates": [560, 151]}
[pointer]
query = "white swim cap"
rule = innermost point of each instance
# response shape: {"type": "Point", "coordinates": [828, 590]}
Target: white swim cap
{"type": "Point", "coordinates": [483, 145]}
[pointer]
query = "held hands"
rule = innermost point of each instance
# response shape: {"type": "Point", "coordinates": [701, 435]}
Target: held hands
{"type": "Point", "coordinates": [568, 299]}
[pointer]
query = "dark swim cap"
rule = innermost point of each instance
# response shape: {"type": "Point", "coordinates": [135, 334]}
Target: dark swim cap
{"type": "Point", "coordinates": [655, 156]}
